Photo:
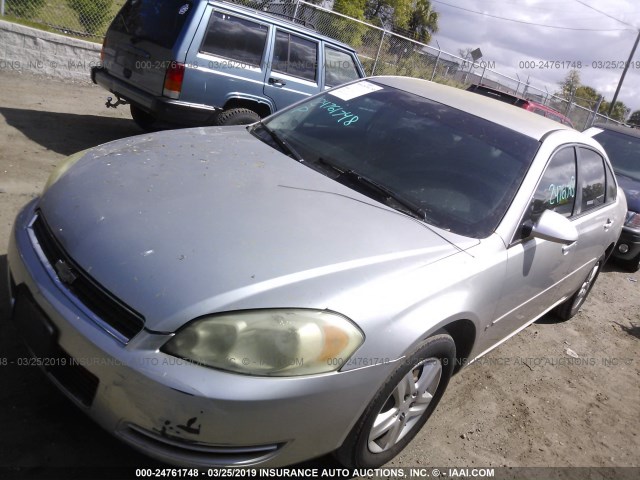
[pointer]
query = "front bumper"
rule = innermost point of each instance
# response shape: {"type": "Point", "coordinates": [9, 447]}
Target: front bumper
{"type": "Point", "coordinates": [170, 409]}
{"type": "Point", "coordinates": [162, 108]}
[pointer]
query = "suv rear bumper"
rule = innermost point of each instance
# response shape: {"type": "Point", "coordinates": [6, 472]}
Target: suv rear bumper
{"type": "Point", "coordinates": [164, 109]}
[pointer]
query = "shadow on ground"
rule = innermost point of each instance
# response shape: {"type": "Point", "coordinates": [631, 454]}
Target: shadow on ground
{"type": "Point", "coordinates": [67, 133]}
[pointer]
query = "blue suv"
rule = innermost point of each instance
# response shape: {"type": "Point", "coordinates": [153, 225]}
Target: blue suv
{"type": "Point", "coordinates": [200, 62]}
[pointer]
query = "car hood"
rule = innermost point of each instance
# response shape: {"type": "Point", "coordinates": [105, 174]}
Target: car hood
{"type": "Point", "coordinates": [188, 222]}
{"type": "Point", "coordinates": [631, 189]}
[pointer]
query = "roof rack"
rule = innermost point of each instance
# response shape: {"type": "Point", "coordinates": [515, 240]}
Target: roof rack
{"type": "Point", "coordinates": [292, 19]}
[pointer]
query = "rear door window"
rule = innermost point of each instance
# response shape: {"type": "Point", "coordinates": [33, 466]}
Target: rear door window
{"type": "Point", "coordinates": [295, 56]}
{"type": "Point", "coordinates": [235, 38]}
{"type": "Point", "coordinates": [156, 21]}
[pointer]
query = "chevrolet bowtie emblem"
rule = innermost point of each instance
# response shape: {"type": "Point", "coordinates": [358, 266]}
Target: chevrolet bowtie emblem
{"type": "Point", "coordinates": [65, 274]}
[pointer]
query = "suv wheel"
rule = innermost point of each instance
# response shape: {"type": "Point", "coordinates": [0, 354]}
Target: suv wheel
{"type": "Point", "coordinates": [144, 120]}
{"type": "Point", "coordinates": [402, 405]}
{"type": "Point", "coordinates": [632, 265]}
{"type": "Point", "coordinates": [237, 116]}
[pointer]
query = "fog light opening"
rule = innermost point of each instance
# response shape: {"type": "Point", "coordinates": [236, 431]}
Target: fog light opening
{"type": "Point", "coordinates": [623, 248]}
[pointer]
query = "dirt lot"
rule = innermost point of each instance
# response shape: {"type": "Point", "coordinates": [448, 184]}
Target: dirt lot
{"type": "Point", "coordinates": [529, 403]}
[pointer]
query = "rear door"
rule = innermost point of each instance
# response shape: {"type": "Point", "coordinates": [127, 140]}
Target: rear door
{"type": "Point", "coordinates": [227, 59]}
{"type": "Point", "coordinates": [596, 211]}
{"type": "Point", "coordinates": [140, 42]}
{"type": "Point", "coordinates": [292, 73]}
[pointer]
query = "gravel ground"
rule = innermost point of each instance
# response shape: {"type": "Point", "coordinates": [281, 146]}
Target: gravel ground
{"type": "Point", "coordinates": [529, 403]}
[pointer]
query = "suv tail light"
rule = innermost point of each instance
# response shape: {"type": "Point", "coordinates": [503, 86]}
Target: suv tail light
{"type": "Point", "coordinates": [102, 53]}
{"type": "Point", "coordinates": [173, 80]}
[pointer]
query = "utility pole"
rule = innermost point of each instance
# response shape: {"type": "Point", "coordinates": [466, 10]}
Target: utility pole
{"type": "Point", "coordinates": [624, 72]}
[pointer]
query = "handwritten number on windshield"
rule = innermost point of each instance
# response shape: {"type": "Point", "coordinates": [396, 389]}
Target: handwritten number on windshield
{"type": "Point", "coordinates": [335, 110]}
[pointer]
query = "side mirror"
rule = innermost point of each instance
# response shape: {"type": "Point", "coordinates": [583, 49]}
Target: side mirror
{"type": "Point", "coordinates": [554, 227]}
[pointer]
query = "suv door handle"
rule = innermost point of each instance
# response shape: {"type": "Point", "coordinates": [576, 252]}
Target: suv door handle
{"type": "Point", "coordinates": [276, 82]}
{"type": "Point", "coordinates": [608, 225]}
{"type": "Point", "coordinates": [567, 248]}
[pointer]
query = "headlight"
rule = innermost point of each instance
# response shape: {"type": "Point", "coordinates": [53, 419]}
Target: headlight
{"type": "Point", "coordinates": [62, 168]}
{"type": "Point", "coordinates": [633, 220]}
{"type": "Point", "coordinates": [284, 342]}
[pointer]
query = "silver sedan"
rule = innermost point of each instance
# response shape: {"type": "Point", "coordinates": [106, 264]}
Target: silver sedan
{"type": "Point", "coordinates": [263, 295]}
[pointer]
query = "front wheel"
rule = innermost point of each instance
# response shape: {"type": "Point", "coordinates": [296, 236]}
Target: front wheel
{"type": "Point", "coordinates": [237, 116]}
{"type": "Point", "coordinates": [572, 305]}
{"type": "Point", "coordinates": [401, 407]}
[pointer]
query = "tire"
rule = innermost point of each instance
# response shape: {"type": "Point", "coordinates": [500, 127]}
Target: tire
{"type": "Point", "coordinates": [632, 265]}
{"type": "Point", "coordinates": [236, 116]}
{"type": "Point", "coordinates": [144, 120]}
{"type": "Point", "coordinates": [572, 305]}
{"type": "Point", "coordinates": [401, 407]}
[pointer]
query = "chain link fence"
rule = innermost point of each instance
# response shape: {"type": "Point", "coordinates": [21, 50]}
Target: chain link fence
{"type": "Point", "coordinates": [386, 53]}
{"type": "Point", "coordinates": [86, 19]}
{"type": "Point", "coordinates": [382, 52]}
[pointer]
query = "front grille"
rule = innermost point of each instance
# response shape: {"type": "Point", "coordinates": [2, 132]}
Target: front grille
{"type": "Point", "coordinates": [107, 308]}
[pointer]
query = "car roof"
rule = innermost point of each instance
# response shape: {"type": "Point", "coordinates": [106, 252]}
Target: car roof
{"type": "Point", "coordinates": [514, 99]}
{"type": "Point", "coordinates": [281, 21]}
{"type": "Point", "coordinates": [632, 132]}
{"type": "Point", "coordinates": [515, 118]}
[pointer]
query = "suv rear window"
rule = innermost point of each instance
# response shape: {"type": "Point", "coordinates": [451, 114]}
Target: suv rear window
{"type": "Point", "coordinates": [339, 68]}
{"type": "Point", "coordinates": [156, 21]}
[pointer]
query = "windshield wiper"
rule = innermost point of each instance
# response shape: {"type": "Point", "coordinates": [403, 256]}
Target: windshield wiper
{"type": "Point", "coordinates": [284, 146]}
{"type": "Point", "coordinates": [390, 197]}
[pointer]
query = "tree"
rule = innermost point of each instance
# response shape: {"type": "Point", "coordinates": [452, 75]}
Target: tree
{"type": "Point", "coordinates": [391, 13]}
{"type": "Point", "coordinates": [619, 110]}
{"type": "Point", "coordinates": [346, 30]}
{"type": "Point", "coordinates": [634, 119]}
{"type": "Point", "coordinates": [586, 96]}
{"type": "Point", "coordinates": [569, 85]}
{"type": "Point", "coordinates": [350, 8]}
{"type": "Point", "coordinates": [423, 21]}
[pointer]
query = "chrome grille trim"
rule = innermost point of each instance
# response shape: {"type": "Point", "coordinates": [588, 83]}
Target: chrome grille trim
{"type": "Point", "coordinates": [103, 308]}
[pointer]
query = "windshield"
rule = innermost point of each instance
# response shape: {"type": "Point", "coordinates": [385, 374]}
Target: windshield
{"type": "Point", "coordinates": [460, 172]}
{"type": "Point", "coordinates": [623, 151]}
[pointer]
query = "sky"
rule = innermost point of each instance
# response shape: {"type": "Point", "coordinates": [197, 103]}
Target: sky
{"type": "Point", "coordinates": [589, 39]}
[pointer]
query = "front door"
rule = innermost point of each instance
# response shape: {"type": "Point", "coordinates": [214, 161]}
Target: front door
{"type": "Point", "coordinates": [539, 272]}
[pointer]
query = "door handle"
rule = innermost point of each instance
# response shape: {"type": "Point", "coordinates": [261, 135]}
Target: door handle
{"type": "Point", "coordinates": [276, 82]}
{"type": "Point", "coordinates": [567, 248]}
{"type": "Point", "coordinates": [608, 225]}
